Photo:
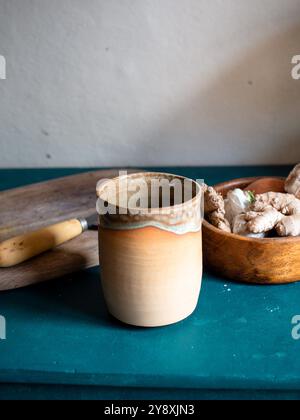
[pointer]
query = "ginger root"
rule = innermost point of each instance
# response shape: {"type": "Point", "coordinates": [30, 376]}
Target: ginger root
{"type": "Point", "coordinates": [292, 184]}
{"type": "Point", "coordinates": [213, 201]}
{"type": "Point", "coordinates": [278, 210]}
{"type": "Point", "coordinates": [214, 209]}
{"type": "Point", "coordinates": [218, 220]}
{"type": "Point", "coordinates": [248, 215]}
{"type": "Point", "coordinates": [286, 204]}
{"type": "Point", "coordinates": [289, 226]}
{"type": "Point", "coordinates": [264, 221]}
{"type": "Point", "coordinates": [240, 226]}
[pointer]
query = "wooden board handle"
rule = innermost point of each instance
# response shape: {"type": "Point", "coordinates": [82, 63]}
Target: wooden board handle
{"type": "Point", "coordinates": [24, 247]}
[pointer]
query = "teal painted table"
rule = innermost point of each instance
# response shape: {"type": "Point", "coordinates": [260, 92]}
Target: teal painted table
{"type": "Point", "coordinates": [62, 343]}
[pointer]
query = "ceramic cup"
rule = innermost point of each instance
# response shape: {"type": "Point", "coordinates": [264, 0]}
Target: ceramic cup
{"type": "Point", "coordinates": [150, 244]}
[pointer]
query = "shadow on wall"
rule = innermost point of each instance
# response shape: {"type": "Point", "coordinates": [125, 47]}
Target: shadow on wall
{"type": "Point", "coordinates": [254, 103]}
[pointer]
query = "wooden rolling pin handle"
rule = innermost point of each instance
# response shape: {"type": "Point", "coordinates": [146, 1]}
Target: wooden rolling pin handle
{"type": "Point", "coordinates": [24, 247]}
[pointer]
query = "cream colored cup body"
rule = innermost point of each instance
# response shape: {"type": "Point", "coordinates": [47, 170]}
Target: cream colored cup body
{"type": "Point", "coordinates": [151, 275]}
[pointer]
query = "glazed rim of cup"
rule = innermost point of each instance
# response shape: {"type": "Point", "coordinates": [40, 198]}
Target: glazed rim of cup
{"type": "Point", "coordinates": [104, 187]}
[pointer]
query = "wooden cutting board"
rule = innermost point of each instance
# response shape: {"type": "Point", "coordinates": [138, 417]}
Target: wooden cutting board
{"type": "Point", "coordinates": [39, 205]}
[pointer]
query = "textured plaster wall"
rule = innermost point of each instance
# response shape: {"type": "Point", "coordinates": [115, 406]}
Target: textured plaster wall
{"type": "Point", "coordinates": [149, 82]}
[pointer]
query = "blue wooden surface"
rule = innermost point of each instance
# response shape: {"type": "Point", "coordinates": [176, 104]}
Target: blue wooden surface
{"type": "Point", "coordinates": [238, 342]}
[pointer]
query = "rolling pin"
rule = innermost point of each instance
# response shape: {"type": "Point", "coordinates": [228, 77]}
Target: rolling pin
{"type": "Point", "coordinates": [16, 250]}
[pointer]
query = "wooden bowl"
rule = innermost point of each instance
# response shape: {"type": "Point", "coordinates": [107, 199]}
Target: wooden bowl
{"type": "Point", "coordinates": [259, 261]}
{"type": "Point", "coordinates": [264, 185]}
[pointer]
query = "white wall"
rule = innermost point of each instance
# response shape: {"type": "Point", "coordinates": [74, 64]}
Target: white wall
{"type": "Point", "coordinates": [149, 82]}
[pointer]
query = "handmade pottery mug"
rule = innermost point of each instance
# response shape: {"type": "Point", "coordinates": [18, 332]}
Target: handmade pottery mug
{"type": "Point", "coordinates": [150, 245]}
